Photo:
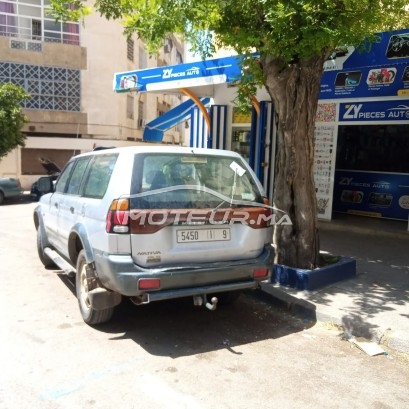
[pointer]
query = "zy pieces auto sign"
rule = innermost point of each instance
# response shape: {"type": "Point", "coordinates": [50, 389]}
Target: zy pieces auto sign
{"type": "Point", "coordinates": [373, 111]}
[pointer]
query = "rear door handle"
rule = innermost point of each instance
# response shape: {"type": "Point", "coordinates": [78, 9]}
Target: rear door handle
{"type": "Point", "coordinates": [56, 205]}
{"type": "Point", "coordinates": [72, 209]}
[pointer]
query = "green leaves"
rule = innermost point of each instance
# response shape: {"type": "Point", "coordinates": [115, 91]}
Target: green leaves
{"type": "Point", "coordinates": [288, 29]}
{"type": "Point", "coordinates": [69, 10]}
{"type": "Point", "coordinates": [11, 117]}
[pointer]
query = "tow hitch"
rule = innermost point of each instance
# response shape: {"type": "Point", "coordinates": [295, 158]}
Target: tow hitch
{"type": "Point", "coordinates": [200, 300]}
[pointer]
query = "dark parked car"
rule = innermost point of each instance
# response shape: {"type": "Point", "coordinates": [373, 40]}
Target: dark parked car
{"type": "Point", "coordinates": [10, 188]}
{"type": "Point", "coordinates": [52, 170]}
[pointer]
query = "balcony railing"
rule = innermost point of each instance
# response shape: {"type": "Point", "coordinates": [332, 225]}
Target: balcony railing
{"type": "Point", "coordinates": [62, 38]}
{"type": "Point", "coordinates": [67, 33]}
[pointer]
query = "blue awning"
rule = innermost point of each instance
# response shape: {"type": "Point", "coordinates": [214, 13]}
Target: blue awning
{"type": "Point", "coordinates": [154, 130]}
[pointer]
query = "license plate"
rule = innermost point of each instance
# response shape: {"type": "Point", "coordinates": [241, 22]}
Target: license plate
{"type": "Point", "coordinates": [198, 235]}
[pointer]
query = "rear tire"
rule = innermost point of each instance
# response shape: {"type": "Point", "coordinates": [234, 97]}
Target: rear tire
{"type": "Point", "coordinates": [47, 262]}
{"type": "Point", "coordinates": [1, 197]}
{"type": "Point", "coordinates": [89, 314]}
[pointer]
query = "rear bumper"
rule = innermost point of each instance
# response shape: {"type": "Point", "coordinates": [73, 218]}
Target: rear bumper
{"type": "Point", "coordinates": [120, 274]}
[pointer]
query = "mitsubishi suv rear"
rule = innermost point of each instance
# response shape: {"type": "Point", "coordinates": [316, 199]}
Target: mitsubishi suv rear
{"type": "Point", "coordinates": [155, 223]}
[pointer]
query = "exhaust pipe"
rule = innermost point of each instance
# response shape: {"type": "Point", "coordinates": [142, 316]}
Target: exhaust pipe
{"type": "Point", "coordinates": [140, 299]}
{"type": "Point", "coordinates": [199, 300]}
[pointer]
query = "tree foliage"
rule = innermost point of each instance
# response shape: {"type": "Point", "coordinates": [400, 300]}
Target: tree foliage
{"type": "Point", "coordinates": [286, 29]}
{"type": "Point", "coordinates": [293, 39]}
{"type": "Point", "coordinates": [12, 118]}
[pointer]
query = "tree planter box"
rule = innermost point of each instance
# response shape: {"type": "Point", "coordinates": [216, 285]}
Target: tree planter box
{"type": "Point", "coordinates": [312, 279]}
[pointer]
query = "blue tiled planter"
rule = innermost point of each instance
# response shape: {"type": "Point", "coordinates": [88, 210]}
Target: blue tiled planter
{"type": "Point", "coordinates": [301, 279]}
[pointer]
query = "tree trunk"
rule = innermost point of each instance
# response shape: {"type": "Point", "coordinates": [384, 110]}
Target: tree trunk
{"type": "Point", "coordinates": [294, 90]}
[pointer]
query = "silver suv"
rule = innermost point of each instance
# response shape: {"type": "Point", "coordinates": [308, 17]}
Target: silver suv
{"type": "Point", "coordinates": [155, 223]}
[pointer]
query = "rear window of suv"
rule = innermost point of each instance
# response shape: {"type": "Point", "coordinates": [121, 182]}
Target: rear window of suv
{"type": "Point", "coordinates": [175, 181]}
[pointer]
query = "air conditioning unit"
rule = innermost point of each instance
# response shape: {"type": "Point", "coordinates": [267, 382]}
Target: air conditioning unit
{"type": "Point", "coordinates": [141, 123]}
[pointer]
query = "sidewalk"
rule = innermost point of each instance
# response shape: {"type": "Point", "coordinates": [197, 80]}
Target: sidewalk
{"type": "Point", "coordinates": [375, 304]}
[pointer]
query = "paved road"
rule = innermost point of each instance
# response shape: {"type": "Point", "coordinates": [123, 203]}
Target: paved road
{"type": "Point", "coordinates": [170, 354]}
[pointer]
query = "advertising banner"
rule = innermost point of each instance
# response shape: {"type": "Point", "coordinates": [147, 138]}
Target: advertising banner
{"type": "Point", "coordinates": [382, 70]}
{"type": "Point", "coordinates": [372, 194]}
{"type": "Point", "coordinates": [324, 166]}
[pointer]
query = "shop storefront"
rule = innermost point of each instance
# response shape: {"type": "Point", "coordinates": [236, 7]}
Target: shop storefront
{"type": "Point", "coordinates": [372, 169]}
{"type": "Point", "coordinates": [362, 124]}
{"type": "Point", "coordinates": [362, 131]}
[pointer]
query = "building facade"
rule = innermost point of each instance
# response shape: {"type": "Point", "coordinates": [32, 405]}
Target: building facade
{"type": "Point", "coordinates": [67, 69]}
{"type": "Point", "coordinates": [361, 131]}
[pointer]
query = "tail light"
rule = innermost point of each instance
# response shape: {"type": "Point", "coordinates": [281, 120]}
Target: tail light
{"type": "Point", "coordinates": [267, 210]}
{"type": "Point", "coordinates": [260, 273]}
{"type": "Point", "coordinates": [118, 217]}
{"type": "Point", "coordinates": [149, 284]}
{"type": "Point", "coordinates": [259, 217]}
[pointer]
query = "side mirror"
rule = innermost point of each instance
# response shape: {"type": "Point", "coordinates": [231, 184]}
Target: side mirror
{"type": "Point", "coordinates": [45, 185]}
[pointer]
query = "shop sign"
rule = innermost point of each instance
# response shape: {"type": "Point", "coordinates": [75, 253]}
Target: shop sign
{"type": "Point", "coordinates": [374, 111]}
{"type": "Point", "coordinates": [208, 72]}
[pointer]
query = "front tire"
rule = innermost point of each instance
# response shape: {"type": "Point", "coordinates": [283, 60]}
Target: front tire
{"type": "Point", "coordinates": [89, 314]}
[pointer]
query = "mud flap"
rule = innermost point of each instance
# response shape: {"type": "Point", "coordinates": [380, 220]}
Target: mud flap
{"type": "Point", "coordinates": [101, 298]}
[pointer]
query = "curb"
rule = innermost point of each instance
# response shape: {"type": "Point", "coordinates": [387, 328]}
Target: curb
{"type": "Point", "coordinates": [296, 306]}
